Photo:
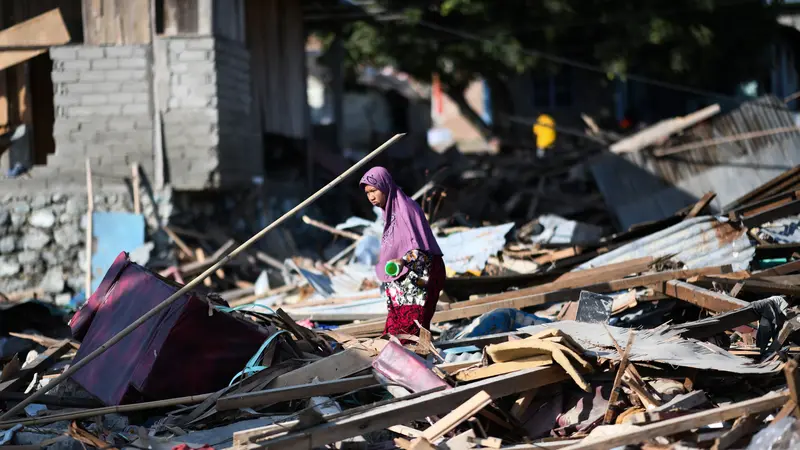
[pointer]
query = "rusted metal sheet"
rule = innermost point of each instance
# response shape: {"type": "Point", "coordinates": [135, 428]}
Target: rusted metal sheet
{"type": "Point", "coordinates": [700, 242]}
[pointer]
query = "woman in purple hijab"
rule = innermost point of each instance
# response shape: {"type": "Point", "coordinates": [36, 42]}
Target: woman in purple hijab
{"type": "Point", "coordinates": [408, 241]}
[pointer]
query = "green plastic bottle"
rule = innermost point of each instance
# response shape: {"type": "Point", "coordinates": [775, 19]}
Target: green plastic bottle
{"type": "Point", "coordinates": [392, 268]}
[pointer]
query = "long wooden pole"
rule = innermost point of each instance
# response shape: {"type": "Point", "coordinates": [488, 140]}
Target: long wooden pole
{"type": "Point", "coordinates": [89, 230]}
{"type": "Point", "coordinates": [153, 312]}
{"type": "Point", "coordinates": [330, 229]}
{"type": "Point", "coordinates": [94, 412]}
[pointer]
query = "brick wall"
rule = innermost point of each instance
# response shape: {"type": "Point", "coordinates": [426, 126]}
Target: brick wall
{"type": "Point", "coordinates": [102, 100]}
{"type": "Point", "coordinates": [211, 138]}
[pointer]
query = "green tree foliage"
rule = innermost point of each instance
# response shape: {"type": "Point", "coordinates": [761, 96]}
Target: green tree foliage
{"type": "Point", "coordinates": [705, 44]}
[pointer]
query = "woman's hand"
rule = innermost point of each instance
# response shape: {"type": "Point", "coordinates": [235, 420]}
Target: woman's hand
{"type": "Point", "coordinates": [400, 263]}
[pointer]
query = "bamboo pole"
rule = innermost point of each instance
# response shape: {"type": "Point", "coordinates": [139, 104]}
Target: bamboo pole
{"type": "Point", "coordinates": [199, 279]}
{"type": "Point", "coordinates": [74, 415]}
{"type": "Point", "coordinates": [89, 231]}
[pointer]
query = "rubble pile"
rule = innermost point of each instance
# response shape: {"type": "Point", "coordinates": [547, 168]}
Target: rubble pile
{"type": "Point", "coordinates": [680, 333]}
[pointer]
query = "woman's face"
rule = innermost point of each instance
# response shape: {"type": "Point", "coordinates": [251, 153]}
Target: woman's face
{"type": "Point", "coordinates": [375, 196]}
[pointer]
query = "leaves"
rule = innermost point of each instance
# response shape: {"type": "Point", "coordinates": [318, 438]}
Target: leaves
{"type": "Point", "coordinates": [702, 44]}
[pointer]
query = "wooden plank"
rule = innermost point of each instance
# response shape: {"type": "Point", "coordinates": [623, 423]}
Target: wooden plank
{"type": "Point", "coordinates": [688, 422]}
{"type": "Point", "coordinates": [557, 255]}
{"type": "Point", "coordinates": [272, 396]}
{"type": "Point", "coordinates": [743, 426]}
{"type": "Point", "coordinates": [783, 269]}
{"type": "Point", "coordinates": [499, 368]}
{"type": "Point", "coordinates": [662, 129]}
{"type": "Point", "coordinates": [790, 371]}
{"type": "Point", "coordinates": [332, 230]}
{"type": "Point", "coordinates": [712, 301]}
{"type": "Point", "coordinates": [334, 367]}
{"type": "Point", "coordinates": [519, 299]}
{"type": "Point", "coordinates": [526, 301]}
{"type": "Point", "coordinates": [116, 22]}
{"type": "Point", "coordinates": [522, 403]}
{"type": "Point", "coordinates": [594, 282]}
{"type": "Point", "coordinates": [701, 205]}
{"type": "Point", "coordinates": [777, 212]}
{"type": "Point", "coordinates": [42, 362]}
{"type": "Point", "coordinates": [456, 416]}
{"type": "Point", "coordinates": [185, 249]}
{"type": "Point", "coordinates": [756, 286]}
{"type": "Point", "coordinates": [380, 417]}
{"type": "Point", "coordinates": [45, 30]}
{"type": "Point", "coordinates": [136, 186]}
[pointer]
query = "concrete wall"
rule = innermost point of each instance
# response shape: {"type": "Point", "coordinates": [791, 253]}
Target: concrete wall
{"type": "Point", "coordinates": [102, 100]}
{"type": "Point", "coordinates": [211, 137]}
{"type": "Point", "coordinates": [43, 237]}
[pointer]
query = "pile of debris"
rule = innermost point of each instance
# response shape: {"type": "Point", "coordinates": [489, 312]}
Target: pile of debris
{"type": "Point", "coordinates": [680, 333]}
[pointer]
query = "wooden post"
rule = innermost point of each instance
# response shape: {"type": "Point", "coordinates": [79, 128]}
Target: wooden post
{"type": "Point", "coordinates": [790, 371]}
{"type": "Point", "coordinates": [136, 186]}
{"type": "Point", "coordinates": [89, 231]}
{"type": "Point", "coordinates": [192, 284]}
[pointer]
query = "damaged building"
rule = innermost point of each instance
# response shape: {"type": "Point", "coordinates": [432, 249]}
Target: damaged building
{"type": "Point", "coordinates": [171, 98]}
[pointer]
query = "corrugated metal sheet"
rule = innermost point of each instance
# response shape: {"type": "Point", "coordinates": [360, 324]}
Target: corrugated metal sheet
{"type": "Point", "coordinates": [661, 344]}
{"type": "Point", "coordinates": [764, 113]}
{"type": "Point", "coordinates": [276, 40]}
{"type": "Point", "coordinates": [469, 250]}
{"type": "Point", "coordinates": [639, 186]}
{"type": "Point", "coordinates": [729, 180]}
{"type": "Point", "coordinates": [700, 242]}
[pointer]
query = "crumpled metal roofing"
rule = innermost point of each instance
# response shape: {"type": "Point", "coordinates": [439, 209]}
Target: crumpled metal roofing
{"type": "Point", "coordinates": [469, 250]}
{"type": "Point", "coordinates": [704, 241]}
{"type": "Point", "coordinates": [661, 344]}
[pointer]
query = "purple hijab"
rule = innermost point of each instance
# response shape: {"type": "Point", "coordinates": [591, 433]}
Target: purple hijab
{"type": "Point", "coordinates": [405, 226]}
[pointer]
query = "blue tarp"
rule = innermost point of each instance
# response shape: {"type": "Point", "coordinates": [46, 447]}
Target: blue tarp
{"type": "Point", "coordinates": [113, 232]}
{"type": "Point", "coordinates": [500, 321]}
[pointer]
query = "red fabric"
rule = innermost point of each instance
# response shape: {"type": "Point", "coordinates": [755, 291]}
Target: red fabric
{"type": "Point", "coordinates": [186, 447]}
{"type": "Point", "coordinates": [180, 351]}
{"type": "Point", "coordinates": [400, 319]}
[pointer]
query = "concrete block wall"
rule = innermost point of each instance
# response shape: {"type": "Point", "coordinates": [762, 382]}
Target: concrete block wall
{"type": "Point", "coordinates": [211, 138]}
{"type": "Point", "coordinates": [102, 100]}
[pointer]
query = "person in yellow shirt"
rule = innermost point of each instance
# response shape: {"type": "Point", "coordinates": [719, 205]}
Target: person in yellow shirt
{"type": "Point", "coordinates": [545, 131]}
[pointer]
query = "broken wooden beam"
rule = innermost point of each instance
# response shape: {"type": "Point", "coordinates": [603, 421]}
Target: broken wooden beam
{"type": "Point", "coordinates": [701, 205]}
{"type": "Point", "coordinates": [456, 417]}
{"type": "Point", "coordinates": [38, 34]}
{"type": "Point", "coordinates": [519, 299]}
{"type": "Point", "coordinates": [380, 417]}
{"type": "Point", "coordinates": [712, 301]}
{"type": "Point", "coordinates": [670, 427]}
{"type": "Point", "coordinates": [330, 229]}
{"type": "Point", "coordinates": [756, 286]}
{"type": "Point", "coordinates": [334, 367]}
{"type": "Point", "coordinates": [42, 362]}
{"type": "Point", "coordinates": [272, 396]}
